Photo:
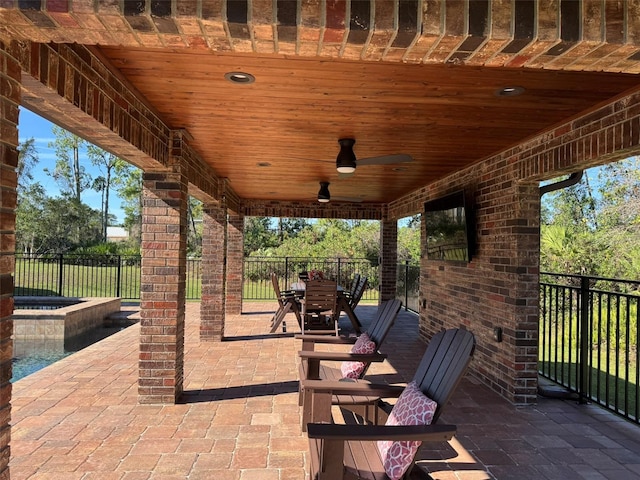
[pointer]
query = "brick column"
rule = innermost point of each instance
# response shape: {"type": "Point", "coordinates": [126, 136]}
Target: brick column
{"type": "Point", "coordinates": [214, 248]}
{"type": "Point", "coordinates": [235, 264]}
{"type": "Point", "coordinates": [163, 287]}
{"type": "Point", "coordinates": [9, 101]}
{"type": "Point", "coordinates": [389, 259]}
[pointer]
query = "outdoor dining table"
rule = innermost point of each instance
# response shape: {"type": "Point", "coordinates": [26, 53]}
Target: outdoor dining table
{"type": "Point", "coordinates": [342, 304]}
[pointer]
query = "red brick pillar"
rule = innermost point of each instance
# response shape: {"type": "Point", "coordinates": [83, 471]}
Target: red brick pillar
{"type": "Point", "coordinates": [389, 259]}
{"type": "Point", "coordinates": [235, 264]}
{"type": "Point", "coordinates": [163, 287]}
{"type": "Point", "coordinates": [9, 101]}
{"type": "Point", "coordinates": [214, 261]}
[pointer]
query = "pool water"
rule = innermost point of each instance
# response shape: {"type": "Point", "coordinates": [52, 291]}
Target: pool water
{"type": "Point", "coordinates": [36, 356]}
{"type": "Point", "coordinates": [29, 364]}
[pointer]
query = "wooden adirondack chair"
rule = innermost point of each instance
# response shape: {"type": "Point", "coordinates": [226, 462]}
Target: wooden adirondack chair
{"type": "Point", "coordinates": [312, 368]}
{"type": "Point", "coordinates": [348, 450]}
{"type": "Point", "coordinates": [287, 303]}
{"type": "Point", "coordinates": [354, 285]}
{"type": "Point", "coordinates": [358, 291]}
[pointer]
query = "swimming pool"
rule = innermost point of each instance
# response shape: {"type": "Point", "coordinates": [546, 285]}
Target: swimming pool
{"type": "Point", "coordinates": [29, 356]}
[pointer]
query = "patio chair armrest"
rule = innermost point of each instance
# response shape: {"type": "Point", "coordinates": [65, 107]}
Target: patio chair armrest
{"type": "Point", "coordinates": [342, 356]}
{"type": "Point", "coordinates": [425, 433]}
{"type": "Point", "coordinates": [310, 340]}
{"type": "Point", "coordinates": [357, 388]}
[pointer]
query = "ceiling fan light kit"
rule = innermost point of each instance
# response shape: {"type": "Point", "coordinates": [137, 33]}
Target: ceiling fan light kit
{"type": "Point", "coordinates": [346, 160]}
{"type": "Point", "coordinates": [323, 194]}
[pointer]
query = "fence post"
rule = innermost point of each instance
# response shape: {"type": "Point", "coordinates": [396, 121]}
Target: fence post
{"type": "Point", "coordinates": [119, 276]}
{"type": "Point", "coordinates": [406, 285]}
{"type": "Point", "coordinates": [60, 276]}
{"type": "Point", "coordinates": [286, 271]}
{"type": "Point", "coordinates": [339, 279]}
{"type": "Point", "coordinates": [583, 389]}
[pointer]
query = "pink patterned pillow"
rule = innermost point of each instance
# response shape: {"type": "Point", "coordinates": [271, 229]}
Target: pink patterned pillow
{"type": "Point", "coordinates": [363, 345]}
{"type": "Point", "coordinates": [412, 408]}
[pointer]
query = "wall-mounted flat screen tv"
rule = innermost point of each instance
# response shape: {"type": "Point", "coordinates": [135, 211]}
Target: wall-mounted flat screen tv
{"type": "Point", "coordinates": [449, 229]}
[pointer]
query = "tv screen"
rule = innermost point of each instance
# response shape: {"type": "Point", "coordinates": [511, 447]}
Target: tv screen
{"type": "Point", "coordinates": [447, 227]}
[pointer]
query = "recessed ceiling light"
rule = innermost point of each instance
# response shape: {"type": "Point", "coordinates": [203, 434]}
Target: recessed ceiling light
{"type": "Point", "coordinates": [240, 77]}
{"type": "Point", "coordinates": [510, 91]}
{"type": "Point", "coordinates": [263, 164]}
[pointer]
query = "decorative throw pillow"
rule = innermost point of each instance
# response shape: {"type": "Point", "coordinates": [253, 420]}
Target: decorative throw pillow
{"type": "Point", "coordinates": [412, 408]}
{"type": "Point", "coordinates": [363, 345]}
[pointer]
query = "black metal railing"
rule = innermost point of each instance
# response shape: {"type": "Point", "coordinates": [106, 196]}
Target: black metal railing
{"type": "Point", "coordinates": [408, 285]}
{"type": "Point", "coordinates": [257, 274]}
{"type": "Point", "coordinates": [79, 275]}
{"type": "Point", "coordinates": [75, 275]}
{"type": "Point", "coordinates": [588, 339]}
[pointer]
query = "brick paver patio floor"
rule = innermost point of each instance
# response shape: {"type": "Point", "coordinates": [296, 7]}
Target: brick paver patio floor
{"type": "Point", "coordinates": [239, 418]}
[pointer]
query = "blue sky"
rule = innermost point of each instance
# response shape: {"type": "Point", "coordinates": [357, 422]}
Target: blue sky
{"type": "Point", "coordinates": [31, 125]}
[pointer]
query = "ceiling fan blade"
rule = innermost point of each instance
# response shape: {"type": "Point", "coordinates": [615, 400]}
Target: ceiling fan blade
{"type": "Point", "coordinates": [386, 159]}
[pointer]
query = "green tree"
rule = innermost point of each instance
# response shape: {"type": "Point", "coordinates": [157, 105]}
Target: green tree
{"type": "Point", "coordinates": [573, 215]}
{"type": "Point", "coordinates": [113, 169]}
{"type": "Point", "coordinates": [130, 190]}
{"type": "Point", "coordinates": [619, 223]}
{"type": "Point", "coordinates": [27, 160]}
{"type": "Point", "coordinates": [194, 231]}
{"type": "Point", "coordinates": [409, 242]}
{"type": "Point", "coordinates": [29, 211]}
{"type": "Point", "coordinates": [595, 230]}
{"type": "Point", "coordinates": [50, 225]}
{"type": "Point", "coordinates": [289, 227]}
{"type": "Point", "coordinates": [68, 173]}
{"type": "Point", "coordinates": [258, 235]}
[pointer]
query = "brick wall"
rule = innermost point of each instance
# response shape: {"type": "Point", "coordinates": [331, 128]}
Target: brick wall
{"type": "Point", "coordinates": [499, 287]}
{"type": "Point", "coordinates": [389, 257]}
{"type": "Point", "coordinates": [235, 263]}
{"type": "Point", "coordinates": [549, 34]}
{"type": "Point", "coordinates": [163, 287]}
{"type": "Point", "coordinates": [9, 101]}
{"type": "Point", "coordinates": [355, 211]}
{"type": "Point", "coordinates": [214, 249]}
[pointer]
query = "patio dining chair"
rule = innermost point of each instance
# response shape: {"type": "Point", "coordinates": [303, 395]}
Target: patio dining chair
{"type": "Point", "coordinates": [319, 306]}
{"type": "Point", "coordinates": [349, 447]}
{"type": "Point", "coordinates": [287, 303]}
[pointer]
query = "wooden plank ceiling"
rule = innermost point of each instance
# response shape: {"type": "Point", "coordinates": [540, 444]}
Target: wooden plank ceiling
{"type": "Point", "coordinates": [277, 138]}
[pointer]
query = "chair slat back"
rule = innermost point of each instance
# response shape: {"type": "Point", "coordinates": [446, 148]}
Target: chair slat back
{"type": "Point", "coordinates": [444, 363]}
{"type": "Point", "coordinates": [384, 320]}
{"type": "Point", "coordinates": [358, 292]}
{"type": "Point", "coordinates": [320, 295]}
{"type": "Point", "coordinates": [276, 288]}
{"type": "Point", "coordinates": [354, 284]}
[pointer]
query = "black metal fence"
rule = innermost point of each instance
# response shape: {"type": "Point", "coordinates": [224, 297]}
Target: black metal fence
{"type": "Point", "coordinates": [589, 339]}
{"type": "Point", "coordinates": [69, 275]}
{"type": "Point", "coordinates": [119, 276]}
{"type": "Point", "coordinates": [408, 285]}
{"type": "Point", "coordinates": [257, 273]}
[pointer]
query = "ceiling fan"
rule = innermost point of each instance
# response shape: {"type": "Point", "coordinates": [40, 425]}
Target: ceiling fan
{"type": "Point", "coordinates": [346, 161]}
{"type": "Point", "coordinates": [324, 195]}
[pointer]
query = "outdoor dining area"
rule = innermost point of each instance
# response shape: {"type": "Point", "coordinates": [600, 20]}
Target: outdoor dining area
{"type": "Point", "coordinates": [240, 416]}
{"type": "Point", "coordinates": [317, 302]}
